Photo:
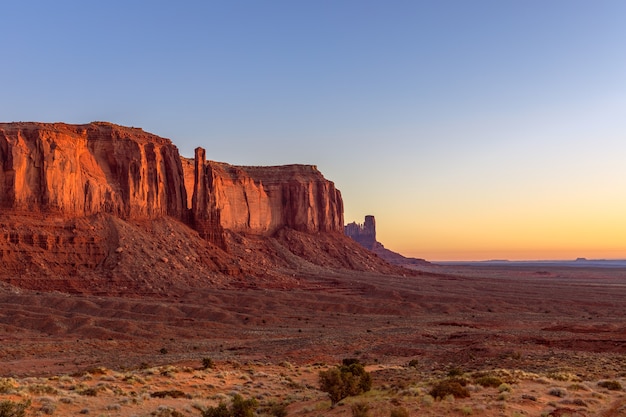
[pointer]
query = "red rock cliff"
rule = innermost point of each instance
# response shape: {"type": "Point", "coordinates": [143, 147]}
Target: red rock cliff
{"type": "Point", "coordinates": [79, 170]}
{"type": "Point", "coordinates": [261, 200]}
{"type": "Point", "coordinates": [85, 169]}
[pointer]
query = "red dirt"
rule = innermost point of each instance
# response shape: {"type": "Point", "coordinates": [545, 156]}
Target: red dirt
{"type": "Point", "coordinates": [570, 321]}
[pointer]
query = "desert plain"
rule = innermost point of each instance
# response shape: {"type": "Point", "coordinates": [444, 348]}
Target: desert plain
{"type": "Point", "coordinates": [550, 335]}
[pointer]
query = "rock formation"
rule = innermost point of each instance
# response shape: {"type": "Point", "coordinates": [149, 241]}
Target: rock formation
{"type": "Point", "coordinates": [262, 200]}
{"type": "Point", "coordinates": [79, 170]}
{"type": "Point", "coordinates": [365, 235]}
{"type": "Point", "coordinates": [102, 208]}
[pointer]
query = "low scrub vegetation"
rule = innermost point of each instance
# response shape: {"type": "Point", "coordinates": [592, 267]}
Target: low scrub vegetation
{"type": "Point", "coordinates": [610, 385]}
{"type": "Point", "coordinates": [451, 386]}
{"type": "Point", "coordinates": [489, 381]}
{"type": "Point", "coordinates": [239, 407]}
{"type": "Point", "coordinates": [13, 409]}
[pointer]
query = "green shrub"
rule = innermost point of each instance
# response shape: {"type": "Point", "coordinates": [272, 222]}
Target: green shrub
{"type": "Point", "coordinates": [344, 381]}
{"type": "Point", "coordinates": [12, 409]}
{"type": "Point", "coordinates": [239, 407]}
{"type": "Point", "coordinates": [449, 387]}
{"type": "Point", "coordinates": [610, 385]}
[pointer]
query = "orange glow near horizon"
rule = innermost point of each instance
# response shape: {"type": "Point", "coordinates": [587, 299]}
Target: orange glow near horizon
{"type": "Point", "coordinates": [518, 231]}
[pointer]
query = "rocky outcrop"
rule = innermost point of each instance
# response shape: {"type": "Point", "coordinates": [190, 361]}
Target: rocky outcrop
{"type": "Point", "coordinates": [79, 170]}
{"type": "Point", "coordinates": [365, 235]}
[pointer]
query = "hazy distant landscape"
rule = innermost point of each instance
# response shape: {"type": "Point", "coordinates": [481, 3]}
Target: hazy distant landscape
{"type": "Point", "coordinates": [578, 263]}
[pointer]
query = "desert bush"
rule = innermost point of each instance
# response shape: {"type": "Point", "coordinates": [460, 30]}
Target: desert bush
{"type": "Point", "coordinates": [558, 392]}
{"type": "Point", "coordinates": [399, 412]}
{"type": "Point", "coordinates": [610, 385]}
{"type": "Point", "coordinates": [207, 363]}
{"type": "Point", "coordinates": [164, 411]}
{"type": "Point", "coordinates": [275, 409]}
{"type": "Point", "coordinates": [170, 393]}
{"type": "Point", "coordinates": [90, 392]}
{"type": "Point", "coordinates": [449, 387]}
{"type": "Point", "coordinates": [413, 363]}
{"type": "Point", "coordinates": [360, 409]}
{"type": "Point", "coordinates": [346, 380]}
{"type": "Point", "coordinates": [7, 385]}
{"type": "Point", "coordinates": [239, 407]}
{"type": "Point", "coordinates": [489, 381]}
{"type": "Point", "coordinates": [41, 389]}
{"type": "Point", "coordinates": [455, 372]}
{"type": "Point", "coordinates": [47, 406]}
{"type": "Point", "coordinates": [504, 387]}
{"type": "Point", "coordinates": [12, 409]}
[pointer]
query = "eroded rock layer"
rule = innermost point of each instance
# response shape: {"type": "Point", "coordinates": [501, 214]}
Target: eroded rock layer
{"type": "Point", "coordinates": [262, 200]}
{"type": "Point", "coordinates": [80, 170]}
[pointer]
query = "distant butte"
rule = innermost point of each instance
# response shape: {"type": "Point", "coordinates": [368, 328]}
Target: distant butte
{"type": "Point", "coordinates": [365, 235]}
{"type": "Point", "coordinates": [105, 208]}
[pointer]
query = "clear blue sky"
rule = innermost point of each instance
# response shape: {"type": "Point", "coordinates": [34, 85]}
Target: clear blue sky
{"type": "Point", "coordinates": [470, 129]}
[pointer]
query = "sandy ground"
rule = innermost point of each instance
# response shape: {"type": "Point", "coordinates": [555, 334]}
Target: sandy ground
{"type": "Point", "coordinates": [543, 331]}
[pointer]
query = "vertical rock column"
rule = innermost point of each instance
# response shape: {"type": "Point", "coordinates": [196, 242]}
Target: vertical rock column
{"type": "Point", "coordinates": [205, 215]}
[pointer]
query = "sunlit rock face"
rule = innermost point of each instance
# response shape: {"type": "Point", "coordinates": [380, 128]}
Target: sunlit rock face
{"type": "Point", "coordinates": [80, 170]}
{"type": "Point", "coordinates": [261, 200]}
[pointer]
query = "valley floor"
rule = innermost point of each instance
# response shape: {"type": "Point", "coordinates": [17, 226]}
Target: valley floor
{"type": "Point", "coordinates": [541, 331]}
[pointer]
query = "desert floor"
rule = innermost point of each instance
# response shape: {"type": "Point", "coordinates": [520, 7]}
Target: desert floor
{"type": "Point", "coordinates": [550, 335]}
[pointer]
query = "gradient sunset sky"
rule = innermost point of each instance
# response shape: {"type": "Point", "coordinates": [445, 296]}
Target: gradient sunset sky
{"type": "Point", "coordinates": [471, 129]}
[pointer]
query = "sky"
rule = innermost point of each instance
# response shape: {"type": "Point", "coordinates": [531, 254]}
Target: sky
{"type": "Point", "coordinates": [471, 130]}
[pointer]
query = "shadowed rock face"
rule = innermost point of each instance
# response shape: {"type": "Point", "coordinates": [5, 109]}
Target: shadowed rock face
{"type": "Point", "coordinates": [80, 170]}
{"type": "Point", "coordinates": [364, 233]}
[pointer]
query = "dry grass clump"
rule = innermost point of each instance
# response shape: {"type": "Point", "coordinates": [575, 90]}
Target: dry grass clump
{"type": "Point", "coordinates": [7, 385]}
{"type": "Point", "coordinates": [489, 381]}
{"type": "Point", "coordinates": [10, 408]}
{"type": "Point", "coordinates": [360, 409]}
{"type": "Point", "coordinates": [399, 412]}
{"type": "Point", "coordinates": [610, 385]}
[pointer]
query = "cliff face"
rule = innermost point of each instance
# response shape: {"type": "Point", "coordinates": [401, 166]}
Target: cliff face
{"type": "Point", "coordinates": [261, 200]}
{"type": "Point", "coordinates": [80, 170]}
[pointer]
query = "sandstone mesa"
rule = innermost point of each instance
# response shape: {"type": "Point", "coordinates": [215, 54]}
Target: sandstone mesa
{"type": "Point", "coordinates": [82, 199]}
{"type": "Point", "coordinates": [80, 170]}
